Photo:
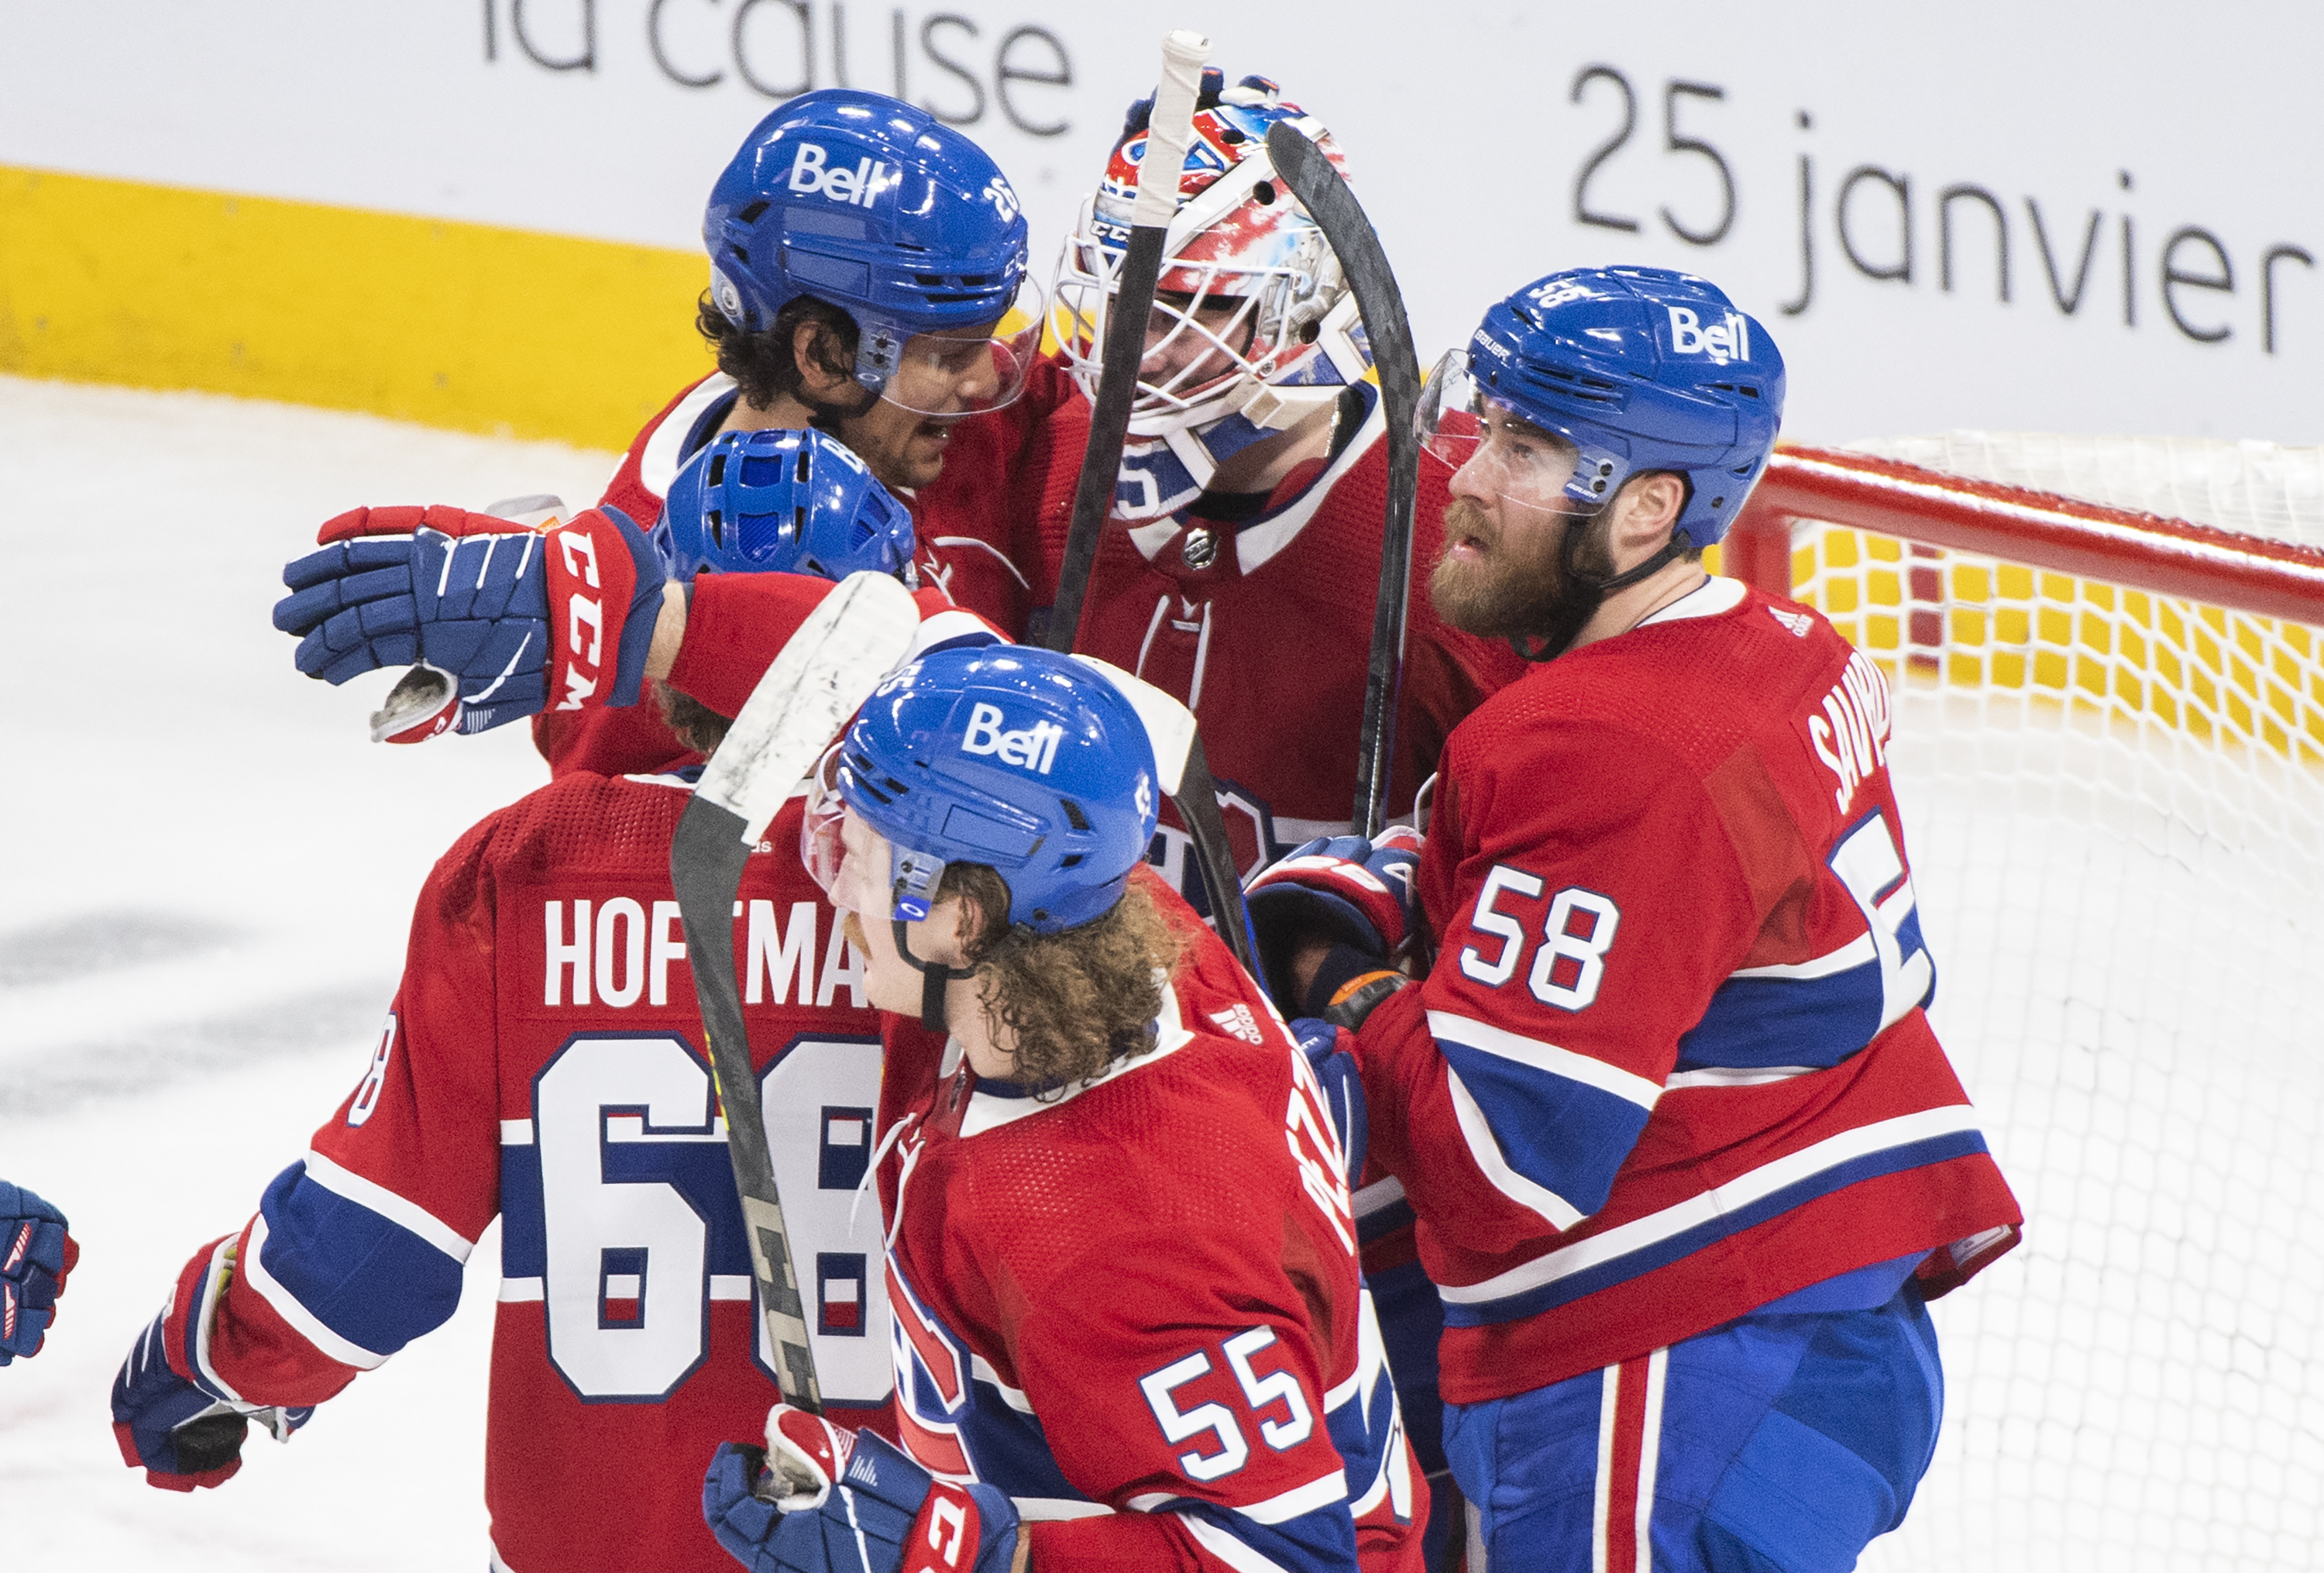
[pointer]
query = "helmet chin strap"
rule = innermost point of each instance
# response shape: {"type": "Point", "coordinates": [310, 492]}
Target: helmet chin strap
{"type": "Point", "coordinates": [935, 977]}
{"type": "Point", "coordinates": [1585, 594]}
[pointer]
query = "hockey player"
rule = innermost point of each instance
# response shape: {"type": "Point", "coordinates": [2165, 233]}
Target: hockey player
{"type": "Point", "coordinates": [1121, 1245]}
{"type": "Point", "coordinates": [868, 277]}
{"type": "Point", "coordinates": [36, 1256]}
{"type": "Point", "coordinates": [1687, 1158]}
{"type": "Point", "coordinates": [542, 1062]}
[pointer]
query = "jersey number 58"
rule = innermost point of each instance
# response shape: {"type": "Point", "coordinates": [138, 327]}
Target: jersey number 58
{"type": "Point", "coordinates": [1578, 931]}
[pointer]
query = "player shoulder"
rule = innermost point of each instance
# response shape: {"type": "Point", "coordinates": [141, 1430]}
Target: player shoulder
{"type": "Point", "coordinates": [581, 814]}
{"type": "Point", "coordinates": [642, 479]}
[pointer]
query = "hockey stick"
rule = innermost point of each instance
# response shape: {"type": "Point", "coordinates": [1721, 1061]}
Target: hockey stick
{"type": "Point", "coordinates": [1319, 187]}
{"type": "Point", "coordinates": [824, 674]}
{"type": "Point", "coordinates": [1167, 128]}
{"type": "Point", "coordinates": [1186, 777]}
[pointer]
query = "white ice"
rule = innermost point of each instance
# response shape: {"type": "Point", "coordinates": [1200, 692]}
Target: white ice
{"type": "Point", "coordinates": [208, 874]}
{"type": "Point", "coordinates": [207, 871]}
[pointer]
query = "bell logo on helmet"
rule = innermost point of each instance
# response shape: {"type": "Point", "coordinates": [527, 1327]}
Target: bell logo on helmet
{"type": "Point", "coordinates": [1724, 340]}
{"type": "Point", "coordinates": [810, 173]}
{"type": "Point", "coordinates": [1033, 748]}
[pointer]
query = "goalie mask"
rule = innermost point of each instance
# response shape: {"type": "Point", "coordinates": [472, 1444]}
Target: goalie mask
{"type": "Point", "coordinates": [1253, 328]}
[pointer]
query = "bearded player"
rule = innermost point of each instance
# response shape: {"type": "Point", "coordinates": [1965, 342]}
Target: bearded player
{"type": "Point", "coordinates": [1687, 1159]}
{"type": "Point", "coordinates": [542, 1064]}
{"type": "Point", "coordinates": [1129, 1330]}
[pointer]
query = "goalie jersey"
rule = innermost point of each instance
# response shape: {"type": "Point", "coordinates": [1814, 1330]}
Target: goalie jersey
{"type": "Point", "coordinates": [1133, 1304]}
{"type": "Point", "coordinates": [1262, 626]}
{"type": "Point", "coordinates": [543, 1063]}
{"type": "Point", "coordinates": [1671, 1063]}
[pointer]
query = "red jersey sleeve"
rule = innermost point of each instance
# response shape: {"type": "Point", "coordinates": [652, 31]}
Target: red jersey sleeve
{"type": "Point", "coordinates": [1588, 903]}
{"type": "Point", "coordinates": [359, 1248]}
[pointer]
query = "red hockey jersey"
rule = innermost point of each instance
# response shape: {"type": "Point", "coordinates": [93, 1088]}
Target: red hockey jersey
{"type": "Point", "coordinates": [1263, 629]}
{"type": "Point", "coordinates": [1671, 1063]}
{"type": "Point", "coordinates": [543, 1063]}
{"type": "Point", "coordinates": [1133, 1305]}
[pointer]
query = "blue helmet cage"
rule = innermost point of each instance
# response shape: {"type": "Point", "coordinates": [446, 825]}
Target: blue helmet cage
{"type": "Point", "coordinates": [783, 501]}
{"type": "Point", "coordinates": [876, 206]}
{"type": "Point", "coordinates": [1641, 369]}
{"type": "Point", "coordinates": [1012, 756]}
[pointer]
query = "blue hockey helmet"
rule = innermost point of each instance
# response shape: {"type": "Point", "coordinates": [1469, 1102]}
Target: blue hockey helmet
{"type": "Point", "coordinates": [783, 501]}
{"type": "Point", "coordinates": [1633, 369]}
{"type": "Point", "coordinates": [864, 201]}
{"type": "Point", "coordinates": [1009, 755]}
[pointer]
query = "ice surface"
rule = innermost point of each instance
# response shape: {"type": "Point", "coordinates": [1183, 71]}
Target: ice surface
{"type": "Point", "coordinates": [207, 875]}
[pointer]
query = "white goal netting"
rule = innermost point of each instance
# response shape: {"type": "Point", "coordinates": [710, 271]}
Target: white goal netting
{"type": "Point", "coordinates": [2114, 804]}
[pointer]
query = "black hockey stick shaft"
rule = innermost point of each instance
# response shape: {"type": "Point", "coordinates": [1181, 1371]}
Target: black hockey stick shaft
{"type": "Point", "coordinates": [1309, 173]}
{"type": "Point", "coordinates": [1167, 128]}
{"type": "Point", "coordinates": [706, 865]}
{"type": "Point", "coordinates": [1198, 808]}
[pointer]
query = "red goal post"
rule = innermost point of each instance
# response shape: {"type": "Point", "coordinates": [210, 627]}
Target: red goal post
{"type": "Point", "coordinates": [2109, 749]}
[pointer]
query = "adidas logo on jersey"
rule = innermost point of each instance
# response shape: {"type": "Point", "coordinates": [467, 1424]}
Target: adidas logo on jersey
{"type": "Point", "coordinates": [1729, 338]}
{"type": "Point", "coordinates": [812, 173]}
{"type": "Point", "coordinates": [1799, 623]}
{"type": "Point", "coordinates": [1033, 748]}
{"type": "Point", "coordinates": [1238, 1021]}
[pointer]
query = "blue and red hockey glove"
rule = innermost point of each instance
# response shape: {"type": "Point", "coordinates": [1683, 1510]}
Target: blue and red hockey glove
{"type": "Point", "coordinates": [520, 620]}
{"type": "Point", "coordinates": [823, 1500]}
{"type": "Point", "coordinates": [180, 1427]}
{"type": "Point", "coordinates": [1355, 895]}
{"type": "Point", "coordinates": [36, 1254]}
{"type": "Point", "coordinates": [1325, 1044]}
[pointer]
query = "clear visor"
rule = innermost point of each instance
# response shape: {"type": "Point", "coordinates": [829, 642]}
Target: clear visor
{"type": "Point", "coordinates": [851, 883]}
{"type": "Point", "coordinates": [964, 371]}
{"type": "Point", "coordinates": [1494, 451]}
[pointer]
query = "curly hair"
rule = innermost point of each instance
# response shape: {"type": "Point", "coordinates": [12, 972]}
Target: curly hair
{"type": "Point", "coordinates": [761, 363]}
{"type": "Point", "coordinates": [696, 724]}
{"type": "Point", "coordinates": [1072, 1002]}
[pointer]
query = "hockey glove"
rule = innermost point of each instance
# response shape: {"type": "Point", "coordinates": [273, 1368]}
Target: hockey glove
{"type": "Point", "coordinates": [1355, 895]}
{"type": "Point", "coordinates": [35, 1256]}
{"type": "Point", "coordinates": [184, 1430]}
{"type": "Point", "coordinates": [517, 620]}
{"type": "Point", "coordinates": [883, 1514]}
{"type": "Point", "coordinates": [1328, 1053]}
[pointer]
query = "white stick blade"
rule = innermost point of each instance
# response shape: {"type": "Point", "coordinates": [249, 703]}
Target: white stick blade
{"type": "Point", "coordinates": [1169, 724]}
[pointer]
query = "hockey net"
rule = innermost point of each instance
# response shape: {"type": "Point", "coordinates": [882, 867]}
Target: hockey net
{"type": "Point", "coordinates": [2109, 753]}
